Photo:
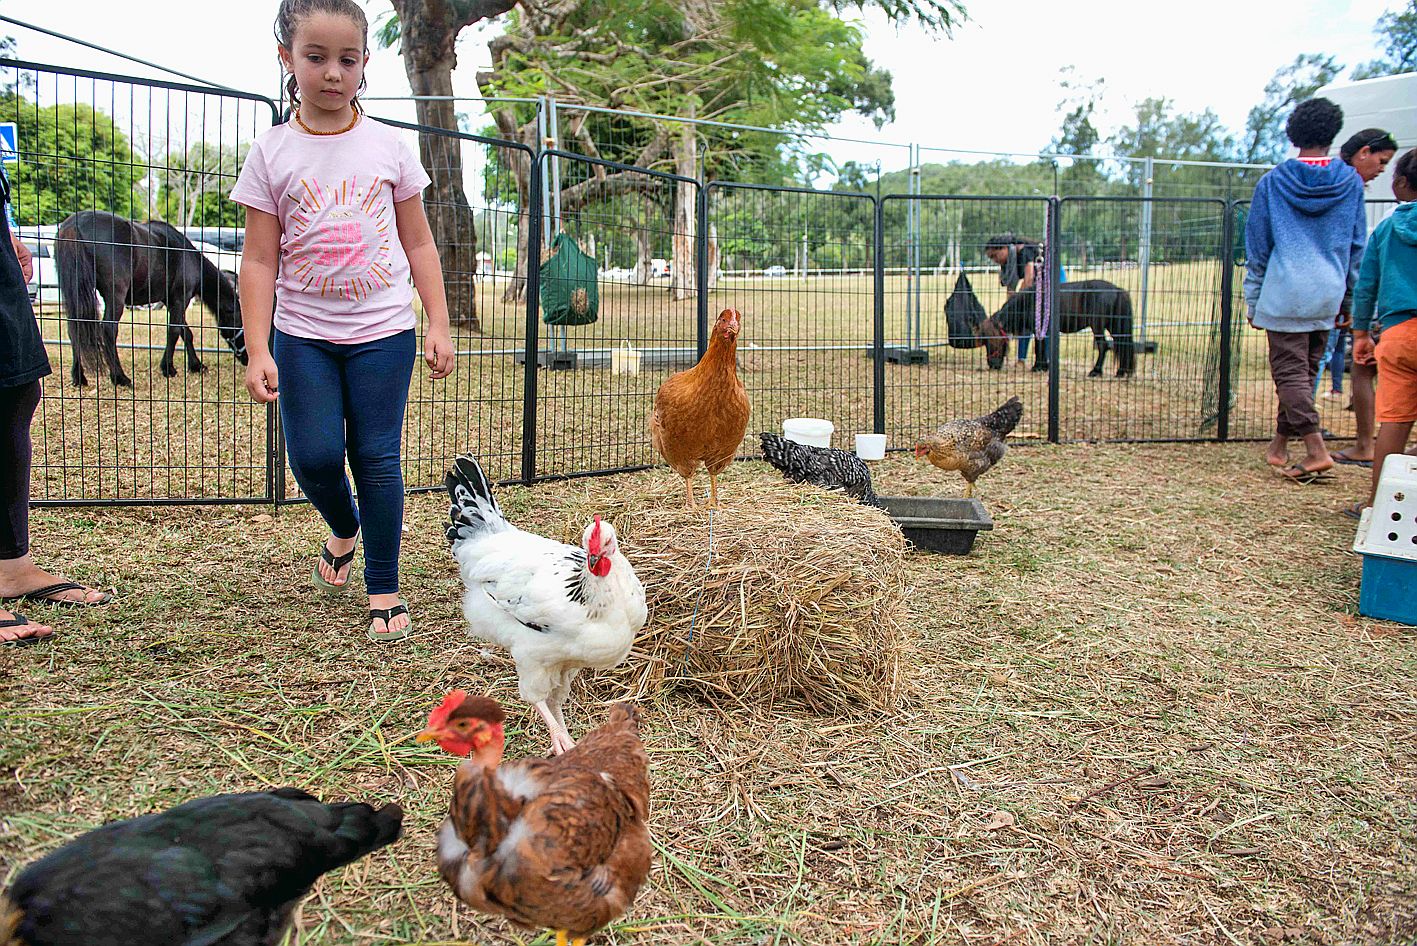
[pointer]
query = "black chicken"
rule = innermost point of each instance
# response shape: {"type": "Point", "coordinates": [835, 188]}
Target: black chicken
{"type": "Point", "coordinates": [220, 871]}
{"type": "Point", "coordinates": [826, 467]}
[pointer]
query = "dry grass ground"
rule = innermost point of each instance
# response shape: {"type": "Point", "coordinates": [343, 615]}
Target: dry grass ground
{"type": "Point", "coordinates": [1143, 711]}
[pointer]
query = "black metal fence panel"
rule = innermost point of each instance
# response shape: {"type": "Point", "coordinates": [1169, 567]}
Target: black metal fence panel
{"type": "Point", "coordinates": [1139, 318]}
{"type": "Point", "coordinates": [479, 194]}
{"type": "Point", "coordinates": [800, 266]}
{"type": "Point", "coordinates": [889, 314]}
{"type": "Point", "coordinates": [1253, 398]}
{"type": "Point", "coordinates": [937, 368]}
{"type": "Point", "coordinates": [90, 143]}
{"type": "Point", "coordinates": [595, 382]}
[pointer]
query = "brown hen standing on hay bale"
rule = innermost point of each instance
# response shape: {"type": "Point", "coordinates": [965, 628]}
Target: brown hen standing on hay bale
{"type": "Point", "coordinates": [972, 446]}
{"type": "Point", "coordinates": [700, 415]}
{"type": "Point", "coordinates": [555, 843]}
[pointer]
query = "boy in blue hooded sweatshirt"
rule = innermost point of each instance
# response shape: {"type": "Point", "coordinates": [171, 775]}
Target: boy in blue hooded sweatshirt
{"type": "Point", "coordinates": [1303, 241]}
{"type": "Point", "coordinates": [1387, 294]}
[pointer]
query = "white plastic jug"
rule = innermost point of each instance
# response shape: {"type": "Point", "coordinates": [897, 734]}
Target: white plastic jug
{"type": "Point", "coordinates": [813, 431]}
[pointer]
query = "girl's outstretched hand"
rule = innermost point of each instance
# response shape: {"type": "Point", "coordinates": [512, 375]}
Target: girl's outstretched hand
{"type": "Point", "coordinates": [438, 352]}
{"type": "Point", "coordinates": [261, 379]}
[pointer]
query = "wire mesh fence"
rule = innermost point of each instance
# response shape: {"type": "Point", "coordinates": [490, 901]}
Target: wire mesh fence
{"type": "Point", "coordinates": [478, 199]}
{"type": "Point", "coordinates": [1164, 317]}
{"type": "Point", "coordinates": [938, 287]}
{"type": "Point", "coordinates": [890, 314]}
{"type": "Point", "coordinates": [596, 383]}
{"type": "Point", "coordinates": [800, 265]}
{"type": "Point", "coordinates": [89, 146]}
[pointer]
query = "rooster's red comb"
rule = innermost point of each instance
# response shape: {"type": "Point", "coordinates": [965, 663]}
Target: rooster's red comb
{"type": "Point", "coordinates": [594, 543]}
{"type": "Point", "coordinates": [452, 701]}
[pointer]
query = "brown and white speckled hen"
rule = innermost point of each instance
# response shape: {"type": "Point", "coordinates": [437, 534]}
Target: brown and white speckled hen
{"type": "Point", "coordinates": [971, 446]}
{"type": "Point", "coordinates": [557, 843]}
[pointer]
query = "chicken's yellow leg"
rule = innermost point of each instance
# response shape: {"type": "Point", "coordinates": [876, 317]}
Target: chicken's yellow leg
{"type": "Point", "coordinates": [689, 492]}
{"type": "Point", "coordinates": [578, 941]}
{"type": "Point", "coordinates": [713, 490]}
{"type": "Point", "coordinates": [968, 490]}
{"type": "Point", "coordinates": [561, 936]}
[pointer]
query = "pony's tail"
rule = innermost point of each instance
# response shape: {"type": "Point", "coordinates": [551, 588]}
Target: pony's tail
{"type": "Point", "coordinates": [1124, 349]}
{"type": "Point", "coordinates": [78, 286]}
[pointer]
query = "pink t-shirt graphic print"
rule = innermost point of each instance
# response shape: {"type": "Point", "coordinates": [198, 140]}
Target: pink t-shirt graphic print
{"type": "Point", "coordinates": [340, 239]}
{"type": "Point", "coordinates": [343, 273]}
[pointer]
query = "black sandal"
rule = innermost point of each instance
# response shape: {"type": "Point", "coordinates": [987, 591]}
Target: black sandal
{"type": "Point", "coordinates": [42, 595]}
{"type": "Point", "coordinates": [387, 614]}
{"type": "Point", "coordinates": [336, 562]}
{"type": "Point", "coordinates": [19, 620]}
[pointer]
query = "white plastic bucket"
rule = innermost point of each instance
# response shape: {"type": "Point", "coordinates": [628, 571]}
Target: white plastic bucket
{"type": "Point", "coordinates": [625, 359]}
{"type": "Point", "coordinates": [871, 446]}
{"type": "Point", "coordinates": [813, 431]}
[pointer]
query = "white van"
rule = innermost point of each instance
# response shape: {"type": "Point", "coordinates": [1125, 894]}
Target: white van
{"type": "Point", "coordinates": [1389, 103]}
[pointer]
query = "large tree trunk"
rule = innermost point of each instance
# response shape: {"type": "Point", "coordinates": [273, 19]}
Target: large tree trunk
{"type": "Point", "coordinates": [428, 36]}
{"type": "Point", "coordinates": [686, 212]}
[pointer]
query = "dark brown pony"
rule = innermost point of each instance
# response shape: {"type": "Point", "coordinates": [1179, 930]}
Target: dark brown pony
{"type": "Point", "coordinates": [1093, 304]}
{"type": "Point", "coordinates": [125, 262]}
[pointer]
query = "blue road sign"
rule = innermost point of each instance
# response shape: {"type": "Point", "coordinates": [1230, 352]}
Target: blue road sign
{"type": "Point", "coordinates": [9, 142]}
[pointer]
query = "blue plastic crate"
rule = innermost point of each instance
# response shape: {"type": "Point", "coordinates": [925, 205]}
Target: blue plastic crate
{"type": "Point", "coordinates": [1389, 589]}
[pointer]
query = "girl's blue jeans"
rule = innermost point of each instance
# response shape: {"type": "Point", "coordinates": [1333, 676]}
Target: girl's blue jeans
{"type": "Point", "coordinates": [341, 402]}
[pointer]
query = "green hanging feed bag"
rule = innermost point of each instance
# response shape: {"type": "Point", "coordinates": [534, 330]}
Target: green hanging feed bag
{"type": "Point", "coordinates": [569, 295]}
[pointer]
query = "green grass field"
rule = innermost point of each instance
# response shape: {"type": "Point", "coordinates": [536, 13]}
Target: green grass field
{"type": "Point", "coordinates": [803, 352]}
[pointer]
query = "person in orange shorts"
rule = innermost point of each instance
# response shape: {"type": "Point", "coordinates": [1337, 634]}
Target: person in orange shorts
{"type": "Point", "coordinates": [1387, 291]}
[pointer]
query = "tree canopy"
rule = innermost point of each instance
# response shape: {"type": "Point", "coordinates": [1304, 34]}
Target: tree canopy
{"type": "Point", "coordinates": [1398, 34]}
{"type": "Point", "coordinates": [74, 158]}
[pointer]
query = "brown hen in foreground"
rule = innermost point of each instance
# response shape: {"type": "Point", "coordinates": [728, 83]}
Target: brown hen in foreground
{"type": "Point", "coordinates": [700, 415]}
{"type": "Point", "coordinates": [555, 843]}
{"type": "Point", "coordinates": [972, 446]}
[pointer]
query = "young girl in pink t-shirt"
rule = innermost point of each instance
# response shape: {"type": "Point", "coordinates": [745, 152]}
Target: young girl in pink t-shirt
{"type": "Point", "coordinates": [334, 227]}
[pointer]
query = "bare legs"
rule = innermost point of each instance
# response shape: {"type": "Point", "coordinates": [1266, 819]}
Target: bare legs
{"type": "Point", "coordinates": [1392, 438]}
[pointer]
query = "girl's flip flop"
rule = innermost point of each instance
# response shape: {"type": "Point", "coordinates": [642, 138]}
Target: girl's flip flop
{"type": "Point", "coordinates": [19, 620]}
{"type": "Point", "coordinates": [336, 562]}
{"type": "Point", "coordinates": [386, 615]}
{"type": "Point", "coordinates": [45, 595]}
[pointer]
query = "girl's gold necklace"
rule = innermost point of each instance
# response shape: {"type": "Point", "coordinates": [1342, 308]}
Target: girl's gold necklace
{"type": "Point", "coordinates": [341, 131]}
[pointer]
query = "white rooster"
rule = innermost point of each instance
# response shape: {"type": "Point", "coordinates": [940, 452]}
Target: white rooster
{"type": "Point", "coordinates": [558, 608]}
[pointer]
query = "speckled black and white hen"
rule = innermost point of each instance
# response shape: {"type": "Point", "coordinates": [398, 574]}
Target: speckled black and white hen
{"type": "Point", "coordinates": [826, 467]}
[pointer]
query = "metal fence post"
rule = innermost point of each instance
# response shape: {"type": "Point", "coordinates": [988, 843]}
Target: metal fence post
{"type": "Point", "coordinates": [275, 457]}
{"type": "Point", "coordinates": [533, 326]}
{"type": "Point", "coordinates": [1144, 249]}
{"type": "Point", "coordinates": [701, 265]}
{"type": "Point", "coordinates": [1050, 303]}
{"type": "Point", "coordinates": [878, 320]}
{"type": "Point", "coordinates": [1227, 319]}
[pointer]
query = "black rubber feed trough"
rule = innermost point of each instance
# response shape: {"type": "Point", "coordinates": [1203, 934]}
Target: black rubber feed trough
{"type": "Point", "coordinates": [939, 524]}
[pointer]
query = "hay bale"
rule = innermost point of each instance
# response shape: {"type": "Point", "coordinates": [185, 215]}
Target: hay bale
{"type": "Point", "coordinates": [803, 598]}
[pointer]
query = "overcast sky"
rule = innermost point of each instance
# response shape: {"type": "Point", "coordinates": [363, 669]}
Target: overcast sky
{"type": "Point", "coordinates": [992, 86]}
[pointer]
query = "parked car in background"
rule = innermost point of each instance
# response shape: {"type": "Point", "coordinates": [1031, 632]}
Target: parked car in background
{"type": "Point", "coordinates": [775, 271]}
{"type": "Point", "coordinates": [228, 261]}
{"type": "Point", "coordinates": [44, 282]}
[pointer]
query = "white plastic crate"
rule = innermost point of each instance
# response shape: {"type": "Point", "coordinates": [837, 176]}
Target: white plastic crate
{"type": "Point", "coordinates": [1390, 528]}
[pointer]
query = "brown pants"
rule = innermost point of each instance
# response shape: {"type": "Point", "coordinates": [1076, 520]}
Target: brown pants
{"type": "Point", "coordinates": [1294, 364]}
